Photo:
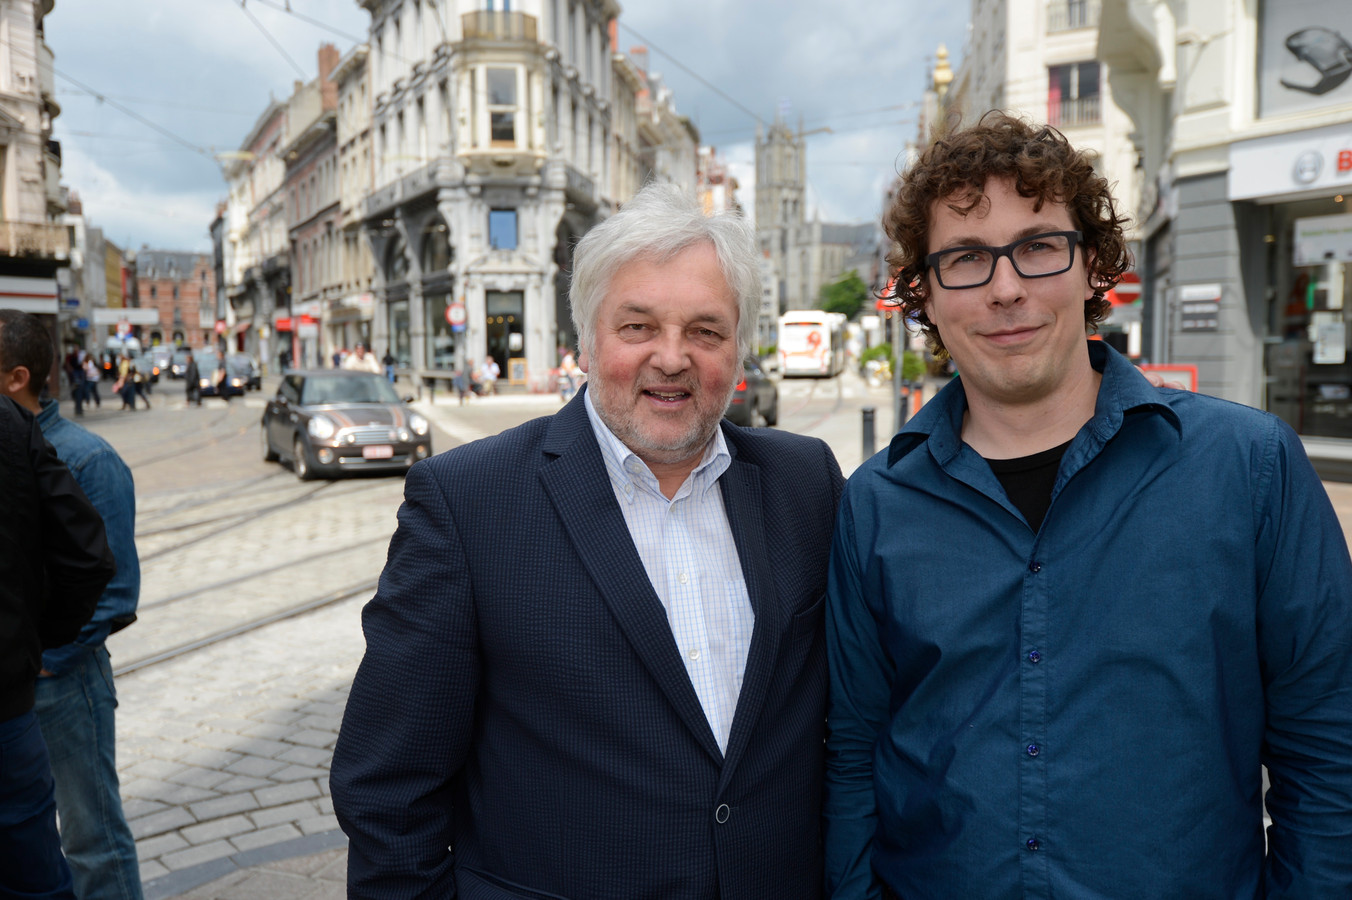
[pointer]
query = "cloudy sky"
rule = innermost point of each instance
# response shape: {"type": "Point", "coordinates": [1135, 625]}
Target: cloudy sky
{"type": "Point", "coordinates": [150, 89]}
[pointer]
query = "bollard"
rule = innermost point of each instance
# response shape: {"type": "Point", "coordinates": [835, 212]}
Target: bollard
{"type": "Point", "coordinates": [867, 412]}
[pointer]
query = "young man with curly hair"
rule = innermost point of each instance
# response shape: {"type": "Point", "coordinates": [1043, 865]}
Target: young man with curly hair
{"type": "Point", "coordinates": [1114, 604]}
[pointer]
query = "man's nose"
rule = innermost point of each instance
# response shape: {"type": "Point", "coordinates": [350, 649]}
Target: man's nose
{"type": "Point", "coordinates": [1006, 283]}
{"type": "Point", "coordinates": [671, 351]}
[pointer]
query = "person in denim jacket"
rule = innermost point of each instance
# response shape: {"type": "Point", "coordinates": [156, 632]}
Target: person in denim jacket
{"type": "Point", "coordinates": [75, 694]}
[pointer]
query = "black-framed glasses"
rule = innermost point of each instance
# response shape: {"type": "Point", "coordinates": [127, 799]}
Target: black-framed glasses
{"type": "Point", "coordinates": [1035, 256]}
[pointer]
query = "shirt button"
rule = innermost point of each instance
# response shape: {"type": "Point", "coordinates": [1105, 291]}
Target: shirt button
{"type": "Point", "coordinates": [683, 578]}
{"type": "Point", "coordinates": [694, 653]}
{"type": "Point", "coordinates": [1034, 656]}
{"type": "Point", "coordinates": [1035, 566]}
{"type": "Point", "coordinates": [1032, 844]}
{"type": "Point", "coordinates": [1034, 749]}
{"type": "Point", "coordinates": [722, 813]}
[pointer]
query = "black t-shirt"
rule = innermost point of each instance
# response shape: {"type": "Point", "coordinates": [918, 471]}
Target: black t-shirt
{"type": "Point", "coordinates": [1028, 481]}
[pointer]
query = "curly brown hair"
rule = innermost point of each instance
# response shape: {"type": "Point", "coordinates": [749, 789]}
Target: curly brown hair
{"type": "Point", "coordinates": [1042, 164]}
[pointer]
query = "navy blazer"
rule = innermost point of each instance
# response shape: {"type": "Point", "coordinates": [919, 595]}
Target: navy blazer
{"type": "Point", "coordinates": [522, 725]}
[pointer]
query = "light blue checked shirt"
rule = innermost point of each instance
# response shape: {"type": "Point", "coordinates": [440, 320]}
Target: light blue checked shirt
{"type": "Point", "coordinates": [691, 559]}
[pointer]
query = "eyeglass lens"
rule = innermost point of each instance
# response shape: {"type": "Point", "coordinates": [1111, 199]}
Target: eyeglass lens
{"type": "Point", "coordinates": [1042, 254]}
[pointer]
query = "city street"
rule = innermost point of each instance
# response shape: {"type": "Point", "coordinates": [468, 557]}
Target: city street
{"type": "Point", "coordinates": [233, 681]}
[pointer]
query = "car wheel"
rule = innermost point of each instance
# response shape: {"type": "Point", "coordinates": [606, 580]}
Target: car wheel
{"type": "Point", "coordinates": [269, 455]}
{"type": "Point", "coordinates": [772, 417]}
{"type": "Point", "coordinates": [300, 460]}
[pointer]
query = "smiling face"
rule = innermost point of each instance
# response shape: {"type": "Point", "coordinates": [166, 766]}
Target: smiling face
{"type": "Point", "coordinates": [1015, 340]}
{"type": "Point", "coordinates": [663, 362]}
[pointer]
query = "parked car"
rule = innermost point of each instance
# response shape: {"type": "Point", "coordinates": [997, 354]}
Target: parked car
{"type": "Point", "coordinates": [145, 364]}
{"type": "Point", "coordinates": [328, 422]}
{"type": "Point", "coordinates": [240, 372]}
{"type": "Point", "coordinates": [756, 397]}
{"type": "Point", "coordinates": [246, 367]}
{"type": "Point", "coordinates": [162, 357]}
{"type": "Point", "coordinates": [179, 363]}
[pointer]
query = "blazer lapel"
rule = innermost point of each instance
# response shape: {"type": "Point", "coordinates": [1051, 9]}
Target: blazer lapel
{"type": "Point", "coordinates": [578, 486]}
{"type": "Point", "coordinates": [741, 485]}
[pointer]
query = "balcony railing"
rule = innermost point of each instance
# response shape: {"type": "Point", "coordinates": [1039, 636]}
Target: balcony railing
{"type": "Point", "coordinates": [489, 25]}
{"type": "Point", "coordinates": [1071, 113]}
{"type": "Point", "coordinates": [1067, 15]}
{"type": "Point", "coordinates": [34, 239]}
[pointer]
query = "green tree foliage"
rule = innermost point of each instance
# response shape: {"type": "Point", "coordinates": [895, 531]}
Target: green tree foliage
{"type": "Point", "coordinates": [912, 364]}
{"type": "Point", "coordinates": [847, 294]}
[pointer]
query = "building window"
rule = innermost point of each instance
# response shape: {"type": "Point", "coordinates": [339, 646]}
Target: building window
{"type": "Point", "coordinates": [400, 333]}
{"type": "Point", "coordinates": [501, 106]}
{"type": "Point", "coordinates": [1065, 15]}
{"type": "Point", "coordinates": [153, 292]}
{"type": "Point", "coordinates": [1073, 94]}
{"type": "Point", "coordinates": [502, 229]}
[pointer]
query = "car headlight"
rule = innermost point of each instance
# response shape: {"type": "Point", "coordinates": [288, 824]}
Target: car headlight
{"type": "Point", "coordinates": [321, 427]}
{"type": "Point", "coordinates": [418, 424]}
{"type": "Point", "coordinates": [204, 382]}
{"type": "Point", "coordinates": [236, 382]}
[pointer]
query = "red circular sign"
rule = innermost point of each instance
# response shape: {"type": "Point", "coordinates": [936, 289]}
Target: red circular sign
{"type": "Point", "coordinates": [455, 314]}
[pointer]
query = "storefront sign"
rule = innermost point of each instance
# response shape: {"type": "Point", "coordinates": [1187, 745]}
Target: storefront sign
{"type": "Point", "coordinates": [1320, 239]}
{"type": "Point", "coordinates": [1199, 307]}
{"type": "Point", "coordinates": [1299, 162]}
{"type": "Point", "coordinates": [1304, 55]}
{"type": "Point", "coordinates": [1328, 331]}
{"type": "Point", "coordinates": [30, 295]}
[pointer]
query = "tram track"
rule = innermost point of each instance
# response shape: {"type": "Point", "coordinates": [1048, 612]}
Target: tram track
{"type": "Point", "coordinates": [246, 627]}
{"type": "Point", "coordinates": [255, 574]}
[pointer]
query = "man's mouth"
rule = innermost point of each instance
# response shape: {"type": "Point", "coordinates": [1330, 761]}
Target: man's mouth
{"type": "Point", "coordinates": [667, 396]}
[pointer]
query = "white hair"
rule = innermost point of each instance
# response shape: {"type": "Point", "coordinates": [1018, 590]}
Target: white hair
{"type": "Point", "coordinates": [659, 222]}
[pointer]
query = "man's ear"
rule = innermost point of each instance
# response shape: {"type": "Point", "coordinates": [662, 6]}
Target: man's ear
{"type": "Point", "coordinates": [15, 382]}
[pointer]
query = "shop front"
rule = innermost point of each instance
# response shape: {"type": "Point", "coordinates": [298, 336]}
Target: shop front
{"type": "Point", "coordinates": [1294, 193]}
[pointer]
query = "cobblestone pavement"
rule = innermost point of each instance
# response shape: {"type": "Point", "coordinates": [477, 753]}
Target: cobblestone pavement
{"type": "Point", "coordinates": [224, 751]}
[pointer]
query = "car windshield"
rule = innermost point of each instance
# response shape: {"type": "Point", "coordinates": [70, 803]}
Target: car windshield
{"type": "Point", "coordinates": [347, 389]}
{"type": "Point", "coordinates": [238, 365]}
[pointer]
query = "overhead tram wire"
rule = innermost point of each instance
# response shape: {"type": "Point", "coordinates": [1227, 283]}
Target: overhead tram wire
{"type": "Point", "coordinates": [272, 40]}
{"type": "Point", "coordinates": [286, 8]}
{"type": "Point", "coordinates": [102, 98]}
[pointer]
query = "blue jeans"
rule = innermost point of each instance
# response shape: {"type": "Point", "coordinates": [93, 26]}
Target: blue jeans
{"type": "Point", "coordinates": [75, 710]}
{"type": "Point", "coordinates": [31, 864]}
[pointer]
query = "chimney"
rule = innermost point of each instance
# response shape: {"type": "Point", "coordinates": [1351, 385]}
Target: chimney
{"type": "Point", "coordinates": [328, 90]}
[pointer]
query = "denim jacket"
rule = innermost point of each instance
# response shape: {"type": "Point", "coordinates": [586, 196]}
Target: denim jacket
{"type": "Point", "coordinates": [107, 481]}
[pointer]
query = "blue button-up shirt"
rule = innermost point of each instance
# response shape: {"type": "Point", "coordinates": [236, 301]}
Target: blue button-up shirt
{"type": "Point", "coordinates": [107, 482]}
{"type": "Point", "coordinates": [1084, 711]}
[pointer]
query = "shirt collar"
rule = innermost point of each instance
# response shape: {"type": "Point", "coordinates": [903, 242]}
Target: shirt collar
{"type": "Point", "coordinates": [1123, 390]}
{"type": "Point", "coordinates": [625, 467]}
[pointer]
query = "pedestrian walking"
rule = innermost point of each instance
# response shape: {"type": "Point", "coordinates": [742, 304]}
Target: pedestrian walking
{"type": "Point", "coordinates": [75, 698]}
{"type": "Point", "coordinates": [92, 377]}
{"type": "Point", "coordinates": [192, 380]}
{"type": "Point", "coordinates": [360, 360]}
{"type": "Point", "coordinates": [73, 367]}
{"type": "Point", "coordinates": [488, 376]}
{"type": "Point", "coordinates": [388, 361]}
{"type": "Point", "coordinates": [140, 382]}
{"type": "Point", "coordinates": [220, 377]}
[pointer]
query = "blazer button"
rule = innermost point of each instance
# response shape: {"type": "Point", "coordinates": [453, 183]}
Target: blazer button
{"type": "Point", "coordinates": [721, 814]}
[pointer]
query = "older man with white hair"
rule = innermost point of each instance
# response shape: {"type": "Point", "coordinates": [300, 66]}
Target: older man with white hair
{"type": "Point", "coordinates": [595, 664]}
